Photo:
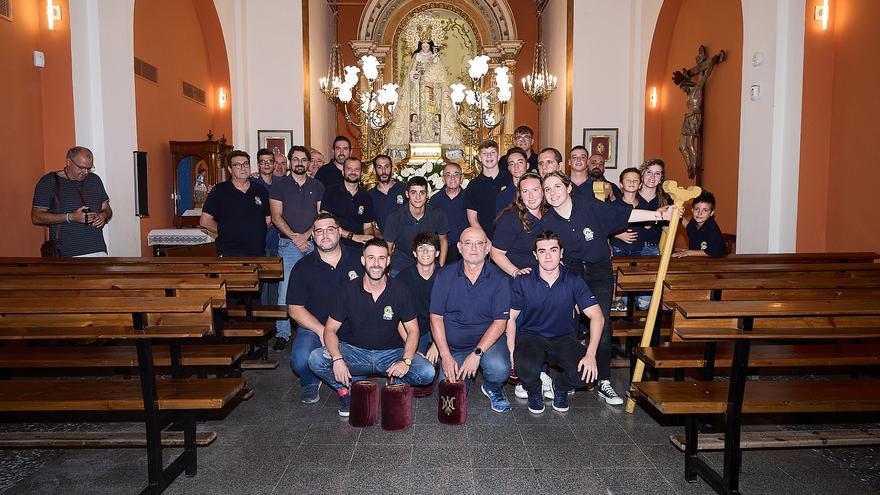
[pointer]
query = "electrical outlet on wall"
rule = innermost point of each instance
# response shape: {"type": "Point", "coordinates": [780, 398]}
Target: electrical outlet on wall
{"type": "Point", "coordinates": [39, 59]}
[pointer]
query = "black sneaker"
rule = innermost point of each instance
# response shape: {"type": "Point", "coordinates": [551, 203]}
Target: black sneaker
{"type": "Point", "coordinates": [280, 343]}
{"type": "Point", "coordinates": [536, 403]}
{"type": "Point", "coordinates": [560, 400]}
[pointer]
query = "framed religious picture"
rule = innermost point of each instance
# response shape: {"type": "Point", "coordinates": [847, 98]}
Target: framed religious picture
{"type": "Point", "coordinates": [277, 141]}
{"type": "Point", "coordinates": [602, 142]}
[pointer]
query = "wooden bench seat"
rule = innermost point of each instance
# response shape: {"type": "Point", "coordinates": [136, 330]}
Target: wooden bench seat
{"type": "Point", "coordinates": [693, 355]}
{"type": "Point", "coordinates": [258, 311]}
{"type": "Point", "coordinates": [635, 328]}
{"type": "Point", "coordinates": [116, 356]}
{"type": "Point", "coordinates": [764, 396]}
{"type": "Point", "coordinates": [115, 395]}
{"type": "Point", "coordinates": [247, 329]}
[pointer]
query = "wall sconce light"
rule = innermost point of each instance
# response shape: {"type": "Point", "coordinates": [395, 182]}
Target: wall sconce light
{"type": "Point", "coordinates": [821, 14]}
{"type": "Point", "coordinates": [652, 97]}
{"type": "Point", "coordinates": [221, 98]}
{"type": "Point", "coordinates": [53, 13]}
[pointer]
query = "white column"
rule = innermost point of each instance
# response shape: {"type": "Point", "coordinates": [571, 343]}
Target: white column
{"type": "Point", "coordinates": [770, 124]}
{"type": "Point", "coordinates": [102, 52]}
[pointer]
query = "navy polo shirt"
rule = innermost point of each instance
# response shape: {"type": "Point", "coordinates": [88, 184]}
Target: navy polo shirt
{"type": "Point", "coordinates": [584, 234]}
{"type": "Point", "coordinates": [468, 309]}
{"type": "Point", "coordinates": [241, 218]}
{"type": "Point", "coordinates": [481, 196]}
{"type": "Point", "coordinates": [706, 238]}
{"type": "Point", "coordinates": [272, 232]}
{"type": "Point", "coordinates": [635, 227]}
{"type": "Point", "coordinates": [650, 233]}
{"type": "Point", "coordinates": [329, 175]}
{"type": "Point", "coordinates": [456, 217]}
{"type": "Point", "coordinates": [420, 289]}
{"type": "Point", "coordinates": [519, 244]}
{"type": "Point", "coordinates": [402, 228]}
{"type": "Point", "coordinates": [351, 211]}
{"type": "Point", "coordinates": [315, 284]}
{"type": "Point", "coordinates": [370, 324]}
{"type": "Point", "coordinates": [532, 159]}
{"type": "Point", "coordinates": [586, 188]}
{"type": "Point", "coordinates": [384, 204]}
{"type": "Point", "coordinates": [546, 310]}
{"type": "Point", "coordinates": [299, 202]}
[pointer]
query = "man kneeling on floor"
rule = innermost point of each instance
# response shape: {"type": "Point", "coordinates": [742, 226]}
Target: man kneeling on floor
{"type": "Point", "coordinates": [541, 306]}
{"type": "Point", "coordinates": [361, 337]}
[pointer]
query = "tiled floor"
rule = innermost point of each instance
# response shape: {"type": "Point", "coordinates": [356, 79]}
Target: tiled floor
{"type": "Point", "coordinates": [273, 444]}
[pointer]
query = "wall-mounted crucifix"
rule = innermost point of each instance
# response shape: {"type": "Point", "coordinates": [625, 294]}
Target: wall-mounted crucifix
{"type": "Point", "coordinates": [691, 142]}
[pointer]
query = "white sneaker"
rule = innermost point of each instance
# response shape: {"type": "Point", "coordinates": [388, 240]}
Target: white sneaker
{"type": "Point", "coordinates": [606, 391]}
{"type": "Point", "coordinates": [546, 388]}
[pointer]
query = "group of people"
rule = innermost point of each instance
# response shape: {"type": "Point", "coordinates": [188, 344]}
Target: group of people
{"type": "Point", "coordinates": [510, 275]}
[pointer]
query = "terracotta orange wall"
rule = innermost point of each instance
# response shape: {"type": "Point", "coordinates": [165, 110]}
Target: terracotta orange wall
{"type": "Point", "coordinates": [183, 39]}
{"type": "Point", "coordinates": [38, 106]}
{"type": "Point", "coordinates": [682, 26]}
{"type": "Point", "coordinates": [839, 154]}
{"type": "Point", "coordinates": [527, 30]}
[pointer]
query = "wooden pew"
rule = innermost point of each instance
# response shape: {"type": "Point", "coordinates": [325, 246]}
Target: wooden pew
{"type": "Point", "coordinates": [131, 318]}
{"type": "Point", "coordinates": [762, 258]}
{"type": "Point", "coordinates": [742, 322]}
{"type": "Point", "coordinates": [268, 267]}
{"type": "Point", "coordinates": [238, 278]}
{"type": "Point", "coordinates": [771, 270]}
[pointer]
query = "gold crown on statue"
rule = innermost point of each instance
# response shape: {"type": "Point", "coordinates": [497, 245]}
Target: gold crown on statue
{"type": "Point", "coordinates": [425, 32]}
{"type": "Point", "coordinates": [423, 27]}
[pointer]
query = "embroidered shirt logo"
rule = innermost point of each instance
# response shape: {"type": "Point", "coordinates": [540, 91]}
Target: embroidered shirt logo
{"type": "Point", "coordinates": [399, 199]}
{"type": "Point", "coordinates": [704, 245]}
{"type": "Point", "coordinates": [387, 313]}
{"type": "Point", "coordinates": [352, 275]}
{"type": "Point", "coordinates": [588, 234]}
{"type": "Point", "coordinates": [258, 201]}
{"type": "Point", "coordinates": [361, 210]}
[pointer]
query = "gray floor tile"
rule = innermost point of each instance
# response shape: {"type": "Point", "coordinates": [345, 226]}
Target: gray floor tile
{"type": "Point", "coordinates": [547, 434]}
{"type": "Point", "coordinates": [311, 481]}
{"type": "Point", "coordinates": [568, 481]}
{"type": "Point", "coordinates": [615, 456]}
{"type": "Point", "coordinates": [387, 480]}
{"type": "Point", "coordinates": [439, 434]}
{"type": "Point", "coordinates": [333, 433]}
{"type": "Point", "coordinates": [600, 433]}
{"type": "Point", "coordinates": [494, 434]}
{"type": "Point", "coordinates": [376, 435]}
{"type": "Point", "coordinates": [566, 456]}
{"type": "Point", "coordinates": [320, 456]}
{"type": "Point", "coordinates": [381, 456]}
{"type": "Point", "coordinates": [499, 456]}
{"type": "Point", "coordinates": [634, 482]}
{"type": "Point", "coordinates": [442, 481]}
{"type": "Point", "coordinates": [428, 456]}
{"type": "Point", "coordinates": [505, 481]}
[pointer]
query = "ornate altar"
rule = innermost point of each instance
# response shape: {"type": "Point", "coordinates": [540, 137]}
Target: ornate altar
{"type": "Point", "coordinates": [196, 166]}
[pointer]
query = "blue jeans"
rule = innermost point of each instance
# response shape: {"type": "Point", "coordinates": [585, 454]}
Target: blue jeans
{"type": "Point", "coordinates": [305, 342]}
{"type": "Point", "coordinates": [364, 362]}
{"type": "Point", "coordinates": [495, 364]}
{"type": "Point", "coordinates": [291, 255]}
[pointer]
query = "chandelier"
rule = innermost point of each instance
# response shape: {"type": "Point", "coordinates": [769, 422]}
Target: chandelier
{"type": "Point", "coordinates": [373, 106]}
{"type": "Point", "coordinates": [540, 82]}
{"type": "Point", "coordinates": [331, 82]}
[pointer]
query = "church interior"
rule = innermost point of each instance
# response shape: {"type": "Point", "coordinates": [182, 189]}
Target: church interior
{"type": "Point", "coordinates": [776, 93]}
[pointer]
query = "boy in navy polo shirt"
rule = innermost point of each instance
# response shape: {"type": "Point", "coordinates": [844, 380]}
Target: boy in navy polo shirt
{"type": "Point", "coordinates": [361, 337]}
{"type": "Point", "coordinates": [541, 306]}
{"type": "Point", "coordinates": [388, 194]}
{"type": "Point", "coordinates": [315, 283]}
{"type": "Point", "coordinates": [481, 195]}
{"type": "Point", "coordinates": [419, 279]}
{"type": "Point", "coordinates": [704, 234]}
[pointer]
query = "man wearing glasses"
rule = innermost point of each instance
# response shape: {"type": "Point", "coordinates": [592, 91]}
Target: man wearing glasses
{"type": "Point", "coordinates": [470, 306]}
{"type": "Point", "coordinates": [269, 166]}
{"type": "Point", "coordinates": [237, 211]}
{"type": "Point", "coordinates": [523, 137]}
{"type": "Point", "coordinates": [73, 204]}
{"type": "Point", "coordinates": [294, 201]}
{"type": "Point", "coordinates": [315, 284]}
{"type": "Point", "coordinates": [451, 200]}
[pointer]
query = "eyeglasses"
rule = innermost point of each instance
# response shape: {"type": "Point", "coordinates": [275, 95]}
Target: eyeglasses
{"type": "Point", "coordinates": [452, 174]}
{"type": "Point", "coordinates": [473, 244]}
{"type": "Point", "coordinates": [266, 162]}
{"type": "Point", "coordinates": [299, 160]}
{"type": "Point", "coordinates": [522, 137]}
{"type": "Point", "coordinates": [424, 248]}
{"type": "Point", "coordinates": [328, 231]}
{"type": "Point", "coordinates": [241, 165]}
{"type": "Point", "coordinates": [87, 169]}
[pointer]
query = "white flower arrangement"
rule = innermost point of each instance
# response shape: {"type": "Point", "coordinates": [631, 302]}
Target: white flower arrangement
{"type": "Point", "coordinates": [431, 171]}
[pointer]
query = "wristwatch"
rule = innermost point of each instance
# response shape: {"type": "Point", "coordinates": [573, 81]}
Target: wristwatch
{"type": "Point", "coordinates": [478, 352]}
{"type": "Point", "coordinates": [407, 361]}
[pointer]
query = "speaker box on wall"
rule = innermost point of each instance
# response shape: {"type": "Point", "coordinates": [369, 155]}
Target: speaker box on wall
{"type": "Point", "coordinates": [141, 198]}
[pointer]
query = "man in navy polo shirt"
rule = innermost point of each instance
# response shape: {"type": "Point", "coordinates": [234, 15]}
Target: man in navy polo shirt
{"type": "Point", "coordinates": [315, 283]}
{"type": "Point", "coordinates": [361, 337]}
{"type": "Point", "coordinates": [237, 210]}
{"type": "Point", "coordinates": [351, 205]}
{"type": "Point", "coordinates": [450, 199]}
{"type": "Point", "coordinates": [541, 306]}
{"type": "Point", "coordinates": [482, 192]}
{"type": "Point", "coordinates": [417, 216]}
{"type": "Point", "coordinates": [331, 173]}
{"type": "Point", "coordinates": [470, 305]}
{"type": "Point", "coordinates": [388, 194]}
{"type": "Point", "coordinates": [294, 201]}
{"type": "Point", "coordinates": [585, 171]}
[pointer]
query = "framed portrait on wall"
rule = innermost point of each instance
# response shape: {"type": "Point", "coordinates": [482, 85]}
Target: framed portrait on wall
{"type": "Point", "coordinates": [277, 141]}
{"type": "Point", "coordinates": [602, 141]}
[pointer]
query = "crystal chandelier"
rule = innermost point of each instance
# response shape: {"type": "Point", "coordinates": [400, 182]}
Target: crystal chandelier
{"type": "Point", "coordinates": [540, 82]}
{"type": "Point", "coordinates": [331, 82]}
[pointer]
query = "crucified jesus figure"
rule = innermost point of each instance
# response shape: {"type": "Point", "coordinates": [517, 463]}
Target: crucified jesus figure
{"type": "Point", "coordinates": [692, 128]}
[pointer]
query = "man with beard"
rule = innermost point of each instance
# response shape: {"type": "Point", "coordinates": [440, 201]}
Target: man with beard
{"type": "Point", "coordinates": [294, 201]}
{"type": "Point", "coordinates": [331, 173]}
{"type": "Point", "coordinates": [315, 283]}
{"type": "Point", "coordinates": [361, 336]}
{"type": "Point", "coordinates": [388, 194]}
{"type": "Point", "coordinates": [586, 171]}
{"type": "Point", "coordinates": [351, 205]}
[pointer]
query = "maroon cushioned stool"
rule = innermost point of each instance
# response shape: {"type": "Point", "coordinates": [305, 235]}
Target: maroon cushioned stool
{"type": "Point", "coordinates": [452, 407]}
{"type": "Point", "coordinates": [364, 403]}
{"type": "Point", "coordinates": [397, 407]}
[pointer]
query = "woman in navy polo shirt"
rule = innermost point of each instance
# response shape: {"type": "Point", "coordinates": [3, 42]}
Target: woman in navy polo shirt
{"type": "Point", "coordinates": [517, 226]}
{"type": "Point", "coordinates": [653, 172]}
{"type": "Point", "coordinates": [584, 226]}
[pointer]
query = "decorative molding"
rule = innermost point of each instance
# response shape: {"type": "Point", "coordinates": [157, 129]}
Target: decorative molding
{"type": "Point", "coordinates": [307, 99]}
{"type": "Point", "coordinates": [377, 13]}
